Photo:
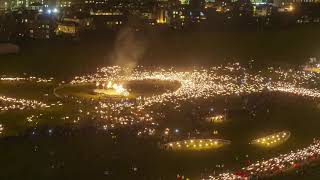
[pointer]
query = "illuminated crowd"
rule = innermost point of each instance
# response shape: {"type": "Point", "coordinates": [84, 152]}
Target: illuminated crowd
{"type": "Point", "coordinates": [8, 103]}
{"type": "Point", "coordinates": [198, 83]}
{"type": "Point", "coordinates": [194, 84]}
{"type": "Point", "coordinates": [201, 83]}
{"type": "Point", "coordinates": [275, 165]}
{"type": "Point", "coordinates": [31, 78]}
{"type": "Point", "coordinates": [205, 83]}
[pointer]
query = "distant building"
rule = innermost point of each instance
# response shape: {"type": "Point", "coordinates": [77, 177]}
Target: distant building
{"type": "Point", "coordinates": [64, 3]}
{"type": "Point", "coordinates": [110, 18]}
{"type": "Point", "coordinates": [84, 22]}
{"type": "Point", "coordinates": [4, 5]}
{"type": "Point", "coordinates": [105, 12]}
{"type": "Point", "coordinates": [148, 17]}
{"type": "Point", "coordinates": [68, 29]}
{"type": "Point", "coordinates": [262, 10]}
{"type": "Point", "coordinates": [286, 3]}
{"type": "Point", "coordinates": [178, 17]}
{"type": "Point", "coordinates": [41, 28]}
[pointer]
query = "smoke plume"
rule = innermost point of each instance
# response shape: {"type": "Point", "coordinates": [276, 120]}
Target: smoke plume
{"type": "Point", "coordinates": [129, 49]}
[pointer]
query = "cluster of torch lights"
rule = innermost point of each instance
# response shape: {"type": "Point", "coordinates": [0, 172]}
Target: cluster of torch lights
{"type": "Point", "coordinates": [198, 83]}
{"type": "Point", "coordinates": [8, 103]}
{"type": "Point", "coordinates": [275, 165]}
{"type": "Point", "coordinates": [117, 88]}
{"type": "Point", "coordinates": [196, 144]}
{"type": "Point", "coordinates": [272, 140]}
{"type": "Point", "coordinates": [31, 78]}
{"type": "Point", "coordinates": [232, 80]}
{"type": "Point", "coordinates": [205, 144]}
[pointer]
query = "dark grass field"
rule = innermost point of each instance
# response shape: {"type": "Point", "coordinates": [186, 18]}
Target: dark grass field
{"type": "Point", "coordinates": [67, 58]}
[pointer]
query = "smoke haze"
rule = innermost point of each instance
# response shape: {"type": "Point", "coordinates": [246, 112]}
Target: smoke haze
{"type": "Point", "coordinates": [129, 48]}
